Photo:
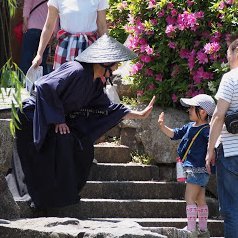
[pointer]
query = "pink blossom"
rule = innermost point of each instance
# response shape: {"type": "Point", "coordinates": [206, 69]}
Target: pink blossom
{"type": "Point", "coordinates": [131, 19]}
{"type": "Point", "coordinates": [188, 20]}
{"type": "Point", "coordinates": [143, 48]}
{"type": "Point", "coordinates": [196, 43]}
{"type": "Point", "coordinates": [190, 91]}
{"type": "Point", "coordinates": [214, 56]}
{"type": "Point", "coordinates": [149, 33]}
{"type": "Point", "coordinates": [134, 69]}
{"type": "Point", "coordinates": [200, 75]}
{"type": "Point", "coordinates": [221, 16]}
{"type": "Point", "coordinates": [151, 87]}
{"type": "Point", "coordinates": [196, 78]}
{"type": "Point", "coordinates": [159, 77]}
{"type": "Point", "coordinates": [170, 30]}
{"type": "Point", "coordinates": [196, 92]}
{"type": "Point", "coordinates": [139, 65]}
{"type": "Point", "coordinates": [149, 72]}
{"type": "Point", "coordinates": [139, 27]}
{"type": "Point", "coordinates": [191, 63]}
{"type": "Point", "coordinates": [199, 14]}
{"type": "Point", "coordinates": [202, 57]}
{"type": "Point", "coordinates": [190, 3]}
{"type": "Point", "coordinates": [142, 41]}
{"type": "Point", "coordinates": [172, 45]}
{"type": "Point", "coordinates": [149, 50]}
{"type": "Point", "coordinates": [216, 37]}
{"type": "Point", "coordinates": [170, 20]}
{"type": "Point", "coordinates": [128, 28]}
{"type": "Point", "coordinates": [170, 5]}
{"type": "Point", "coordinates": [174, 13]}
{"type": "Point", "coordinates": [175, 71]}
{"type": "Point", "coordinates": [154, 22]}
{"type": "Point", "coordinates": [161, 13]}
{"type": "Point", "coordinates": [146, 58]}
{"type": "Point", "coordinates": [191, 59]}
{"type": "Point", "coordinates": [133, 42]}
{"type": "Point", "coordinates": [221, 5]}
{"type": "Point", "coordinates": [230, 2]}
{"type": "Point", "coordinates": [174, 98]}
{"type": "Point", "coordinates": [152, 3]}
{"type": "Point", "coordinates": [183, 53]}
{"type": "Point", "coordinates": [211, 48]}
{"type": "Point", "coordinates": [139, 93]}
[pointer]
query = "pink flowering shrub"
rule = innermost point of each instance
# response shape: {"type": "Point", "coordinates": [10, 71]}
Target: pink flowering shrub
{"type": "Point", "coordinates": [181, 45]}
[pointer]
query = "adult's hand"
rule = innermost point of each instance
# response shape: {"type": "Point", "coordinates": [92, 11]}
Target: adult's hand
{"type": "Point", "coordinates": [62, 128]}
{"type": "Point", "coordinates": [146, 112]}
{"type": "Point", "coordinates": [141, 114]}
{"type": "Point", "coordinates": [37, 61]}
{"type": "Point", "coordinates": [210, 160]}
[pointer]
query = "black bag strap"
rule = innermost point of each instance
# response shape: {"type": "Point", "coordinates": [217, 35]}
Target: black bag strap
{"type": "Point", "coordinates": [34, 8]}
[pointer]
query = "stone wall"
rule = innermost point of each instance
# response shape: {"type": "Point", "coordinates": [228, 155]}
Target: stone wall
{"type": "Point", "coordinates": [150, 140]}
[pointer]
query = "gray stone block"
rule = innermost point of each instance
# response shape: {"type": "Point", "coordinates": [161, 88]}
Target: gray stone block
{"type": "Point", "coordinates": [6, 145]}
{"type": "Point", "coordinates": [8, 207]}
{"type": "Point", "coordinates": [133, 190]}
{"type": "Point", "coordinates": [120, 172]}
{"type": "Point", "coordinates": [131, 208]}
{"type": "Point", "coordinates": [112, 153]}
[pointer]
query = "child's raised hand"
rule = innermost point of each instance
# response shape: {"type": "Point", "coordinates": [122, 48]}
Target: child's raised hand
{"type": "Point", "coordinates": [161, 119]}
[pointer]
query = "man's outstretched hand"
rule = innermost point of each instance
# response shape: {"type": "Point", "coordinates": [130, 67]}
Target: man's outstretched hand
{"type": "Point", "coordinates": [141, 114]}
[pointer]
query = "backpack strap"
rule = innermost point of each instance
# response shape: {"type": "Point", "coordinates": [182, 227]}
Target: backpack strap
{"type": "Point", "coordinates": [34, 8]}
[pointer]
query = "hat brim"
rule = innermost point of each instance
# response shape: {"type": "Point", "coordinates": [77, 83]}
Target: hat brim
{"type": "Point", "coordinates": [187, 102]}
{"type": "Point", "coordinates": [106, 50]}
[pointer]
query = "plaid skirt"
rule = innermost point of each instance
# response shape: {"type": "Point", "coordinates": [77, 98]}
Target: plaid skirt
{"type": "Point", "coordinates": [71, 45]}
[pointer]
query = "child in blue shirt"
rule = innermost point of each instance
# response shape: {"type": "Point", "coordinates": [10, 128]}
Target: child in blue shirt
{"type": "Point", "coordinates": [200, 108]}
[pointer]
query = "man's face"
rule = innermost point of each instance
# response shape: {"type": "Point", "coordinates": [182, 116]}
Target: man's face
{"type": "Point", "coordinates": [113, 68]}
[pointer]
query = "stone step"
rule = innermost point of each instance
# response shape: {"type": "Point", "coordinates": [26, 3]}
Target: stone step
{"type": "Point", "coordinates": [49, 227]}
{"type": "Point", "coordinates": [215, 226]}
{"type": "Point", "coordinates": [133, 190]}
{"type": "Point", "coordinates": [112, 153]}
{"type": "Point", "coordinates": [121, 208]}
{"type": "Point", "coordinates": [123, 172]}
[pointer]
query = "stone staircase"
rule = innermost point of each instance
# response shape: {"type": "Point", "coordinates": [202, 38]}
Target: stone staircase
{"type": "Point", "coordinates": [119, 190]}
{"type": "Point", "coordinates": [128, 191]}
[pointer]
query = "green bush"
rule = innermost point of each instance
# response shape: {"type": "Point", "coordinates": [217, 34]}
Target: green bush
{"type": "Point", "coordinates": [181, 44]}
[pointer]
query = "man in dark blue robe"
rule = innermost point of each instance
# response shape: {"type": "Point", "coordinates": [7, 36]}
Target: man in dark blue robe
{"type": "Point", "coordinates": [68, 112]}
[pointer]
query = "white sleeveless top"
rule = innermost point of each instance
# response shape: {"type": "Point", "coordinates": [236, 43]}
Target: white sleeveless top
{"type": "Point", "coordinates": [78, 15]}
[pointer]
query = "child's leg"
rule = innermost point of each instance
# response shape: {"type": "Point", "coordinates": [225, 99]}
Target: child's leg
{"type": "Point", "coordinates": [191, 194]}
{"type": "Point", "coordinates": [202, 210]}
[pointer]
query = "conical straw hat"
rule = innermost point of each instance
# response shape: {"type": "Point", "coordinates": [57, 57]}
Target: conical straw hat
{"type": "Point", "coordinates": [106, 50]}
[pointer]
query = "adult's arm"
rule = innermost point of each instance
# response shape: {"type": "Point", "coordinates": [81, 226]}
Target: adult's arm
{"type": "Point", "coordinates": [102, 22]}
{"type": "Point", "coordinates": [215, 130]}
{"type": "Point", "coordinates": [141, 114]}
{"type": "Point", "coordinates": [46, 34]}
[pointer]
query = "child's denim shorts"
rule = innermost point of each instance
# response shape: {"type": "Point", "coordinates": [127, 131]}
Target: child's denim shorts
{"type": "Point", "coordinates": [200, 179]}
